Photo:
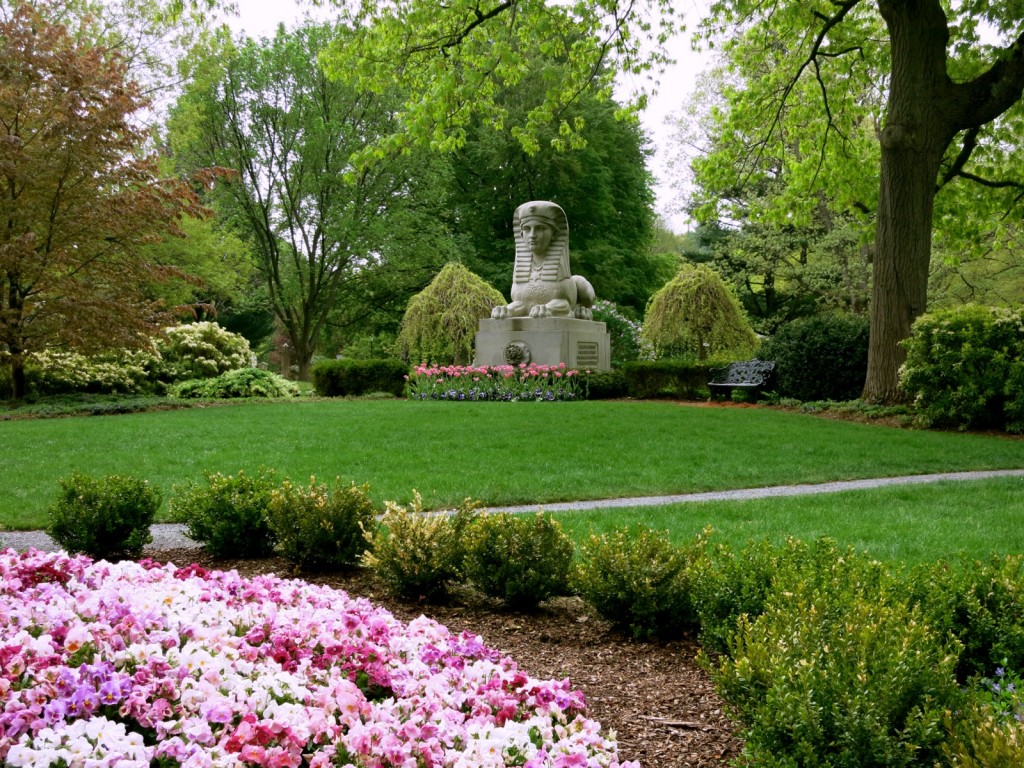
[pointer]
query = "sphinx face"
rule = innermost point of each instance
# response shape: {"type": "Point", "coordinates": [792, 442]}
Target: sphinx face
{"type": "Point", "coordinates": [537, 235]}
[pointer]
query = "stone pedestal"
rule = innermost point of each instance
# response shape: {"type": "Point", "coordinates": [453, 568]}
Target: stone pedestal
{"type": "Point", "coordinates": [581, 344]}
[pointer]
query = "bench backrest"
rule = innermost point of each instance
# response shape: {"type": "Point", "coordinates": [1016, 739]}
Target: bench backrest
{"type": "Point", "coordinates": [747, 371]}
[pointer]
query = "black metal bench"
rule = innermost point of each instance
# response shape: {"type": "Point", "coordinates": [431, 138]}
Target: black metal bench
{"type": "Point", "coordinates": [751, 375]}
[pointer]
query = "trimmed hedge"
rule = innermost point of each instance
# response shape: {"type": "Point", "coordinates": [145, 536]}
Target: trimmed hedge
{"type": "Point", "coordinates": [341, 378]}
{"type": "Point", "coordinates": [683, 380]}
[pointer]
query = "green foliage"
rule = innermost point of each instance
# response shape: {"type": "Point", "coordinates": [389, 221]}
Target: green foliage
{"type": "Point", "coordinates": [728, 585]}
{"type": "Point", "coordinates": [130, 372]}
{"type": "Point", "coordinates": [604, 385]}
{"type": "Point", "coordinates": [341, 378]}
{"type": "Point", "coordinates": [626, 334]}
{"type": "Point", "coordinates": [441, 321]}
{"type": "Point", "coordinates": [453, 64]}
{"type": "Point", "coordinates": [419, 555]}
{"type": "Point", "coordinates": [639, 581]}
{"type": "Point", "coordinates": [980, 736]}
{"type": "Point", "coordinates": [228, 516]}
{"type": "Point", "coordinates": [839, 669]}
{"type": "Point", "coordinates": [320, 529]}
{"type": "Point", "coordinates": [243, 382]}
{"type": "Point", "coordinates": [519, 559]}
{"type": "Point", "coordinates": [681, 379]}
{"type": "Point", "coordinates": [106, 518]}
{"type": "Point", "coordinates": [199, 351]}
{"type": "Point", "coordinates": [696, 315]}
{"type": "Point", "coordinates": [965, 367]}
{"type": "Point", "coordinates": [824, 357]}
{"type": "Point", "coordinates": [981, 604]}
{"type": "Point", "coordinates": [337, 244]}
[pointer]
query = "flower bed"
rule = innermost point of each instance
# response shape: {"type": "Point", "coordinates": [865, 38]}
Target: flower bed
{"type": "Point", "coordinates": [495, 382]}
{"type": "Point", "coordinates": [139, 664]}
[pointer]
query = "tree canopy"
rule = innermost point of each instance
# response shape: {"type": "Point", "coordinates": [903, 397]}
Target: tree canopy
{"type": "Point", "coordinates": [898, 109]}
{"type": "Point", "coordinates": [452, 61]}
{"type": "Point", "coordinates": [79, 201]}
{"type": "Point", "coordinates": [325, 231]}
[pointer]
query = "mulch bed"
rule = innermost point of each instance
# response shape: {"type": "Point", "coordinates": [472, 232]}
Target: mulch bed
{"type": "Point", "coordinates": [654, 696]}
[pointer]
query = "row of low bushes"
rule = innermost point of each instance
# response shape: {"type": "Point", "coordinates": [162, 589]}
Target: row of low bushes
{"type": "Point", "coordinates": [826, 656]}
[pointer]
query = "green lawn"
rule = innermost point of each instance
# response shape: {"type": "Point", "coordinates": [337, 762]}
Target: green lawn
{"type": "Point", "coordinates": [907, 523]}
{"type": "Point", "coordinates": [500, 453]}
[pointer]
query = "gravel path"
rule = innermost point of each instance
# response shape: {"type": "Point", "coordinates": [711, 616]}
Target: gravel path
{"type": "Point", "coordinates": [172, 536]}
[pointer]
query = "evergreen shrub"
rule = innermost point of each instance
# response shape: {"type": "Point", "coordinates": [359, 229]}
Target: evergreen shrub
{"type": "Point", "coordinates": [680, 379]}
{"type": "Point", "coordinates": [840, 669]}
{"type": "Point", "coordinates": [229, 515]}
{"type": "Point", "coordinates": [105, 518]}
{"type": "Point", "coordinates": [981, 604]}
{"type": "Point", "coordinates": [639, 581]}
{"type": "Point", "coordinates": [728, 585]}
{"type": "Point", "coordinates": [982, 737]}
{"type": "Point", "coordinates": [345, 378]}
{"type": "Point", "coordinates": [824, 357]}
{"type": "Point", "coordinates": [604, 385]}
{"type": "Point", "coordinates": [416, 554]}
{"type": "Point", "coordinates": [320, 529]}
{"type": "Point", "coordinates": [965, 368]}
{"type": "Point", "coordinates": [521, 560]}
{"type": "Point", "coordinates": [243, 382]}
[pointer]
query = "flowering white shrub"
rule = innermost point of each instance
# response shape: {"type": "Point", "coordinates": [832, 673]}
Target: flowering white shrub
{"type": "Point", "coordinates": [138, 664]}
{"type": "Point", "coordinates": [200, 350]}
{"type": "Point", "coordinates": [123, 373]}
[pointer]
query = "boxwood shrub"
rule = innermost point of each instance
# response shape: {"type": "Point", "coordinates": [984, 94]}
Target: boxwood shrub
{"type": "Point", "coordinates": [105, 518]}
{"type": "Point", "coordinates": [965, 368]}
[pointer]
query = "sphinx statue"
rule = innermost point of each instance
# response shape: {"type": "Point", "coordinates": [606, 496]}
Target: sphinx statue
{"type": "Point", "coordinates": [542, 284]}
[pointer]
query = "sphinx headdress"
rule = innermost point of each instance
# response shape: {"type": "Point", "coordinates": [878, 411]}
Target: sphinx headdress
{"type": "Point", "coordinates": [556, 264]}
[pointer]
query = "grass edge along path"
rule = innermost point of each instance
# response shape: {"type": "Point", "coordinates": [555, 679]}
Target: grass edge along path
{"type": "Point", "coordinates": [911, 520]}
{"type": "Point", "coordinates": [499, 453]}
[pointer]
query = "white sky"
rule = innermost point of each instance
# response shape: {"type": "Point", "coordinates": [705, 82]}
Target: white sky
{"type": "Point", "coordinates": [261, 17]}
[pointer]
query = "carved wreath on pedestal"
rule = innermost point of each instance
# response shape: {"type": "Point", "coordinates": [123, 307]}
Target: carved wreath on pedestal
{"type": "Point", "coordinates": [516, 352]}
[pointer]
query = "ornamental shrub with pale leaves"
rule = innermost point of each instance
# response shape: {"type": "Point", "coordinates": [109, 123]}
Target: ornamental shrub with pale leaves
{"type": "Point", "coordinates": [200, 351]}
{"type": "Point", "coordinates": [419, 554]}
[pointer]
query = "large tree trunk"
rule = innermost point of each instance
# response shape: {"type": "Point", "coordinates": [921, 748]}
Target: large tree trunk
{"type": "Point", "coordinates": [925, 111]}
{"type": "Point", "coordinates": [914, 138]}
{"type": "Point", "coordinates": [903, 252]}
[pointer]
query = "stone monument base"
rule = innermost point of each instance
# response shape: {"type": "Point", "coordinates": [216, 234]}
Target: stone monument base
{"type": "Point", "coordinates": [581, 344]}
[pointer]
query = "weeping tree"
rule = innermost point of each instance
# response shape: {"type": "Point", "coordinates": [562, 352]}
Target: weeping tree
{"type": "Point", "coordinates": [441, 321]}
{"type": "Point", "coordinates": [695, 314]}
